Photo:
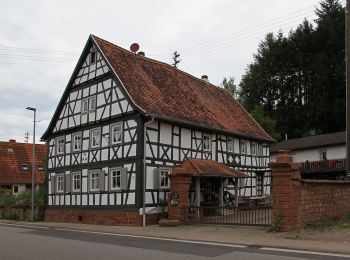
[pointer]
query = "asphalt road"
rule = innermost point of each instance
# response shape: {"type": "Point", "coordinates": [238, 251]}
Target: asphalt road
{"type": "Point", "coordinates": [29, 243]}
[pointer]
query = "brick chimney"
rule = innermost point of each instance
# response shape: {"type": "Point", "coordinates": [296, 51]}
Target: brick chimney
{"type": "Point", "coordinates": [13, 141]}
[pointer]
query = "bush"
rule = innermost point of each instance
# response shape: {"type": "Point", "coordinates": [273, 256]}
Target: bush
{"type": "Point", "coordinates": [6, 197]}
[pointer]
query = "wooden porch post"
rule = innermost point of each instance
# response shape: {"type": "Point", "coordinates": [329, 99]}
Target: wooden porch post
{"type": "Point", "coordinates": [236, 192]}
{"type": "Point", "coordinates": [221, 192]}
{"type": "Point", "coordinates": [198, 191]}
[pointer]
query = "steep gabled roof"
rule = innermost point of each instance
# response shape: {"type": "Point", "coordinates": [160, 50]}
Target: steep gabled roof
{"type": "Point", "coordinates": [314, 141]}
{"type": "Point", "coordinates": [206, 168]}
{"type": "Point", "coordinates": [160, 90]}
{"type": "Point", "coordinates": [13, 155]}
{"type": "Point", "coordinates": [168, 93]}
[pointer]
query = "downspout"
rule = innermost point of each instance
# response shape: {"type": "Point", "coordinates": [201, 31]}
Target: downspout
{"type": "Point", "coordinates": [144, 172]}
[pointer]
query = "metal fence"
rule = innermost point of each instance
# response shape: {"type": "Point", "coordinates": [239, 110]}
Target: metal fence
{"type": "Point", "coordinates": [259, 215]}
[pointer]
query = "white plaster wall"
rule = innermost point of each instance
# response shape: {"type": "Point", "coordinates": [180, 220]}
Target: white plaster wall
{"type": "Point", "coordinates": [333, 152]}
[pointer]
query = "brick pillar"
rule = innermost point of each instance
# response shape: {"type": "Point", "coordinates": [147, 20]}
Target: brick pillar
{"type": "Point", "coordinates": [179, 183]}
{"type": "Point", "coordinates": [285, 190]}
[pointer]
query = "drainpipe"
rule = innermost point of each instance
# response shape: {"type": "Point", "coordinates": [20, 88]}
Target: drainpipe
{"type": "Point", "coordinates": [144, 172]}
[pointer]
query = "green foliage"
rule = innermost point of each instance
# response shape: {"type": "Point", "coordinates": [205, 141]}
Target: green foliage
{"type": "Point", "coordinates": [10, 214]}
{"type": "Point", "coordinates": [299, 79]}
{"type": "Point", "coordinates": [230, 86]}
{"type": "Point", "coordinates": [265, 121]}
{"type": "Point", "coordinates": [276, 223]}
{"type": "Point", "coordinates": [6, 197]}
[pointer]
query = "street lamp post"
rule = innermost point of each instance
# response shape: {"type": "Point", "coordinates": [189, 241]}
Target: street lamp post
{"type": "Point", "coordinates": [33, 162]}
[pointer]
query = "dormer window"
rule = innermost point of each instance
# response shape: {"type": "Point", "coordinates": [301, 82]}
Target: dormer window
{"type": "Point", "coordinates": [40, 167]}
{"type": "Point", "coordinates": [92, 58]}
{"type": "Point", "coordinates": [24, 167]}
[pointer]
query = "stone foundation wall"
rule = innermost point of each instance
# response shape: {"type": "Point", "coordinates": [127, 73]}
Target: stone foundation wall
{"type": "Point", "coordinates": [99, 217]}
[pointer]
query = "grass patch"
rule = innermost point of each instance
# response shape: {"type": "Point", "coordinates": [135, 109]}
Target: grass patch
{"type": "Point", "coordinates": [329, 223]}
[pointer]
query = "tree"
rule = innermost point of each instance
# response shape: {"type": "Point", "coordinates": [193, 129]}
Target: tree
{"type": "Point", "coordinates": [299, 79]}
{"type": "Point", "coordinates": [266, 122]}
{"type": "Point", "coordinates": [230, 86]}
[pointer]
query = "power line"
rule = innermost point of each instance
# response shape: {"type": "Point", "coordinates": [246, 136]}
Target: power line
{"type": "Point", "coordinates": [234, 42]}
{"type": "Point", "coordinates": [20, 49]}
{"type": "Point", "coordinates": [273, 21]}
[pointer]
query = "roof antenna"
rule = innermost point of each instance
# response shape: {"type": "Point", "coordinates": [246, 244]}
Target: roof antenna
{"type": "Point", "coordinates": [26, 137]}
{"type": "Point", "coordinates": [176, 59]}
{"type": "Point", "coordinates": [134, 47]}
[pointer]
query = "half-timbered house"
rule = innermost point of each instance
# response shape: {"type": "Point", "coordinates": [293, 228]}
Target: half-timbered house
{"type": "Point", "coordinates": [125, 120]}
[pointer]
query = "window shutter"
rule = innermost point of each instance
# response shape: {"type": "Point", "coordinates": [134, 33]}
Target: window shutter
{"type": "Point", "coordinates": [124, 179]}
{"type": "Point", "coordinates": [67, 182]}
{"type": "Point", "coordinates": [101, 181]}
{"type": "Point", "coordinates": [53, 187]}
{"type": "Point", "coordinates": [156, 178]}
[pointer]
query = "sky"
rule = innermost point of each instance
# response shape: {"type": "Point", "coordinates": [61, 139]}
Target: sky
{"type": "Point", "coordinates": [41, 42]}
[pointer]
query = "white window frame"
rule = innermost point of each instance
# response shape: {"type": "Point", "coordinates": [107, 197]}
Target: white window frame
{"type": "Point", "coordinates": [74, 141]}
{"type": "Point", "coordinates": [58, 139]}
{"type": "Point", "coordinates": [118, 172]}
{"type": "Point", "coordinates": [229, 144]}
{"type": "Point", "coordinates": [253, 150]}
{"type": "Point", "coordinates": [209, 142]}
{"type": "Point", "coordinates": [242, 146]}
{"type": "Point", "coordinates": [86, 104]}
{"type": "Point", "coordinates": [321, 153]}
{"type": "Point", "coordinates": [113, 133]}
{"type": "Point", "coordinates": [25, 167]}
{"type": "Point", "coordinates": [98, 130]}
{"type": "Point", "coordinates": [164, 174]}
{"type": "Point", "coordinates": [59, 183]}
{"type": "Point", "coordinates": [75, 181]}
{"type": "Point", "coordinates": [13, 189]}
{"type": "Point", "coordinates": [96, 175]}
{"type": "Point", "coordinates": [92, 53]}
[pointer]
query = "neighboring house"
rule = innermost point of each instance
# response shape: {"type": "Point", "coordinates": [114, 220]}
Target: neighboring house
{"type": "Point", "coordinates": [125, 120]}
{"type": "Point", "coordinates": [313, 148]}
{"type": "Point", "coordinates": [318, 153]}
{"type": "Point", "coordinates": [16, 165]}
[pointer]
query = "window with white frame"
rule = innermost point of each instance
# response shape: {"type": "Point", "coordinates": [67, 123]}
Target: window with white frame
{"type": "Point", "coordinates": [253, 148]}
{"type": "Point", "coordinates": [323, 154]}
{"type": "Point", "coordinates": [230, 145]}
{"type": "Point", "coordinates": [59, 183]}
{"type": "Point", "coordinates": [242, 146]}
{"type": "Point", "coordinates": [94, 181]}
{"type": "Point", "coordinates": [95, 137]}
{"type": "Point", "coordinates": [92, 57]}
{"type": "Point", "coordinates": [164, 178]}
{"type": "Point", "coordinates": [206, 142]}
{"type": "Point", "coordinates": [116, 179]}
{"type": "Point", "coordinates": [60, 145]}
{"type": "Point", "coordinates": [88, 104]}
{"type": "Point", "coordinates": [24, 167]}
{"type": "Point", "coordinates": [260, 149]}
{"type": "Point", "coordinates": [117, 132]}
{"type": "Point", "coordinates": [76, 143]}
{"type": "Point", "coordinates": [76, 182]}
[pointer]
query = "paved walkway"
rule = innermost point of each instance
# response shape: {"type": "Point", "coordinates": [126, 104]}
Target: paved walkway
{"type": "Point", "coordinates": [337, 241]}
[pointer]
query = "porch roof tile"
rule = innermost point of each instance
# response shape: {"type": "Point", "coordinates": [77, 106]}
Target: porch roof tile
{"type": "Point", "coordinates": [206, 168]}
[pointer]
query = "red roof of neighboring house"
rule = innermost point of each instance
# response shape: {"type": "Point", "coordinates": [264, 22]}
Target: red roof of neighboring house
{"type": "Point", "coordinates": [13, 155]}
{"type": "Point", "coordinates": [166, 92]}
{"type": "Point", "coordinates": [206, 168]}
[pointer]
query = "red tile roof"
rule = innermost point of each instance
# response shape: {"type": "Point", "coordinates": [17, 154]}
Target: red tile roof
{"type": "Point", "coordinates": [165, 92]}
{"type": "Point", "coordinates": [13, 155]}
{"type": "Point", "coordinates": [206, 168]}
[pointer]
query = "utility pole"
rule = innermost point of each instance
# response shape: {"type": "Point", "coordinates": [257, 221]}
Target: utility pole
{"type": "Point", "coordinates": [176, 59]}
{"type": "Point", "coordinates": [347, 59]}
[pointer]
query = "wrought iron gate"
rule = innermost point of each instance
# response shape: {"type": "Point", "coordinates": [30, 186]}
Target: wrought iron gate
{"type": "Point", "coordinates": [258, 215]}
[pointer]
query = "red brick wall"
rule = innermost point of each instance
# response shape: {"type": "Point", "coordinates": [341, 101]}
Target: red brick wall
{"type": "Point", "coordinates": [300, 202]}
{"type": "Point", "coordinates": [323, 199]}
{"type": "Point", "coordinates": [98, 217]}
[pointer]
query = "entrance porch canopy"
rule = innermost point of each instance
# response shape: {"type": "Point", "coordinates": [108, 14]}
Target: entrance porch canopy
{"type": "Point", "coordinates": [207, 168]}
{"type": "Point", "coordinates": [197, 169]}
